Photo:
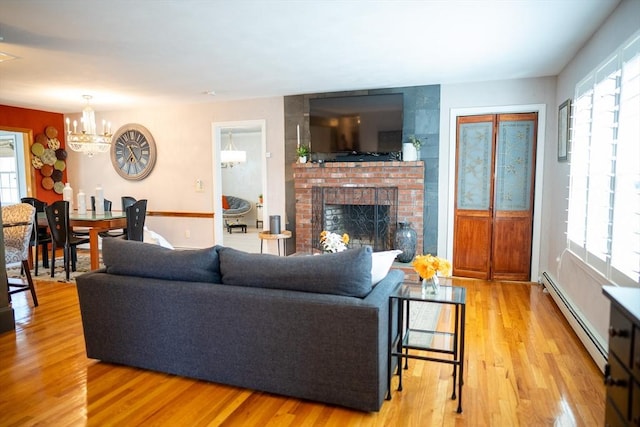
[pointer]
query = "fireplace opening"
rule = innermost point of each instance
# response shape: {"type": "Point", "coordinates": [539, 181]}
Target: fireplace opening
{"type": "Point", "coordinates": [367, 214]}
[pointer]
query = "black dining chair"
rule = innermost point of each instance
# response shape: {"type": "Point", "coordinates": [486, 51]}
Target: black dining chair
{"type": "Point", "coordinates": [63, 236]}
{"type": "Point", "coordinates": [40, 236]}
{"type": "Point", "coordinates": [84, 231]}
{"type": "Point", "coordinates": [107, 204]}
{"type": "Point", "coordinates": [127, 201]}
{"type": "Point", "coordinates": [136, 215]}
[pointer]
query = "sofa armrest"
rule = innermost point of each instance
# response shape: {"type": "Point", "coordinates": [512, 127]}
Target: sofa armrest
{"type": "Point", "coordinates": [380, 292]}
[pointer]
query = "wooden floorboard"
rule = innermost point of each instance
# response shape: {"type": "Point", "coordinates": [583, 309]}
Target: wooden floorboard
{"type": "Point", "coordinates": [524, 367]}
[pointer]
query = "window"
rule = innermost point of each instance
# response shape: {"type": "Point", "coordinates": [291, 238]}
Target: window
{"type": "Point", "coordinates": [604, 201]}
{"type": "Point", "coordinates": [10, 145]}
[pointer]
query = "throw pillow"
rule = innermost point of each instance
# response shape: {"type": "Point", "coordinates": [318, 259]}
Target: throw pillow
{"type": "Point", "coordinates": [343, 273]}
{"type": "Point", "coordinates": [225, 203]}
{"type": "Point", "coordinates": [152, 237]}
{"type": "Point", "coordinates": [131, 258]}
{"type": "Point", "coordinates": [381, 263]}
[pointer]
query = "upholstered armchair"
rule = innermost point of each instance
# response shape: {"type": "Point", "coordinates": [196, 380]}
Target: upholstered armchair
{"type": "Point", "coordinates": [17, 221]}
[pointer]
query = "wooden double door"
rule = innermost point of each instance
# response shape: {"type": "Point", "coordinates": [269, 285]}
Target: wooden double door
{"type": "Point", "coordinates": [495, 176]}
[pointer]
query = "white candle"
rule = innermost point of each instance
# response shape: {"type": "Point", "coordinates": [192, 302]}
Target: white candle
{"type": "Point", "coordinates": [298, 129]}
{"type": "Point", "coordinates": [75, 126]}
{"type": "Point", "coordinates": [104, 126]}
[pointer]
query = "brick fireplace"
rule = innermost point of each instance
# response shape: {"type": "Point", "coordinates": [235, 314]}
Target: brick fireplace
{"type": "Point", "coordinates": [403, 179]}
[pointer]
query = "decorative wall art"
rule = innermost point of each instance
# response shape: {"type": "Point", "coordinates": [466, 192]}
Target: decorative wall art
{"type": "Point", "coordinates": [49, 159]}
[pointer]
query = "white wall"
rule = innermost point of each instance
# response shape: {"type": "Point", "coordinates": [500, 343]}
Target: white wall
{"type": "Point", "coordinates": [551, 184]}
{"type": "Point", "coordinates": [183, 135]}
{"type": "Point", "coordinates": [522, 95]}
{"type": "Point", "coordinates": [580, 285]}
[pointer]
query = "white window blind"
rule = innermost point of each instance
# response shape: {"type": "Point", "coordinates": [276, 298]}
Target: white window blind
{"type": "Point", "coordinates": [604, 202]}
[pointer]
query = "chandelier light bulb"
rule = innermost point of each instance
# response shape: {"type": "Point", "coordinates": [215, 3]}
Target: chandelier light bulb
{"type": "Point", "coordinates": [89, 141]}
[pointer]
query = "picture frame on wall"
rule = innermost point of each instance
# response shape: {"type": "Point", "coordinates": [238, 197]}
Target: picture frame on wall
{"type": "Point", "coordinates": [564, 123]}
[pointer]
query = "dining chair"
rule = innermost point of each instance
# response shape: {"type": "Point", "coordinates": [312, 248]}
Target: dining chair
{"type": "Point", "coordinates": [107, 204]}
{"type": "Point", "coordinates": [136, 215]}
{"type": "Point", "coordinates": [127, 201]}
{"type": "Point", "coordinates": [63, 236]}
{"type": "Point", "coordinates": [40, 236]}
{"type": "Point", "coordinates": [18, 221]}
{"type": "Point", "coordinates": [83, 231]}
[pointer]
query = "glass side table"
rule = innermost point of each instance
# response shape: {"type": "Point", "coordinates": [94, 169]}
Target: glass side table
{"type": "Point", "coordinates": [442, 346]}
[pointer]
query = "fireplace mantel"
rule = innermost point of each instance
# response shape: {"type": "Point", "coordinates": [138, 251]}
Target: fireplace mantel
{"type": "Point", "coordinates": [408, 177]}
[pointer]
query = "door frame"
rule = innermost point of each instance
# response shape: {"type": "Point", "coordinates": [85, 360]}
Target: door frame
{"type": "Point", "coordinates": [28, 172]}
{"type": "Point", "coordinates": [446, 221]}
{"type": "Point", "coordinates": [216, 140]}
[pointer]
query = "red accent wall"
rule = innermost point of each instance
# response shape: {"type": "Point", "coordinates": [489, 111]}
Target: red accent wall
{"type": "Point", "coordinates": [35, 121]}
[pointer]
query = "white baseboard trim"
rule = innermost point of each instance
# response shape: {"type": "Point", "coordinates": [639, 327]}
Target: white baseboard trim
{"type": "Point", "coordinates": [585, 334]}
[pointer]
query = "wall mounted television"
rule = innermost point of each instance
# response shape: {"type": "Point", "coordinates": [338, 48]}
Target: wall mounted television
{"type": "Point", "coordinates": [348, 126]}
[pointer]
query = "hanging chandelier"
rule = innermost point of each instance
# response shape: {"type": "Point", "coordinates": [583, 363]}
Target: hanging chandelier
{"type": "Point", "coordinates": [231, 156]}
{"type": "Point", "coordinates": [86, 139]}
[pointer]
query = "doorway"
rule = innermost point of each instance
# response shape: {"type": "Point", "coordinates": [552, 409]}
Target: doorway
{"type": "Point", "coordinates": [494, 195]}
{"type": "Point", "coordinates": [16, 173]}
{"type": "Point", "coordinates": [241, 179]}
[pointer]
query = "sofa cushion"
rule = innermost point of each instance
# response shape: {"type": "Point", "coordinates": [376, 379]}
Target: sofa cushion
{"type": "Point", "coordinates": [344, 273]}
{"type": "Point", "coordinates": [131, 258]}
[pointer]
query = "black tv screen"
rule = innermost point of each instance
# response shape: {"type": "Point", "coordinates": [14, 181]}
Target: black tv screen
{"type": "Point", "coordinates": [356, 124]}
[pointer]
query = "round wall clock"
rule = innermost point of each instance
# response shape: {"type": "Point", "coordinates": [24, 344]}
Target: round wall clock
{"type": "Point", "coordinates": [133, 152]}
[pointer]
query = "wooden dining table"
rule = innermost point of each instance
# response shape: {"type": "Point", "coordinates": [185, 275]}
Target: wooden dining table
{"type": "Point", "coordinates": [96, 223]}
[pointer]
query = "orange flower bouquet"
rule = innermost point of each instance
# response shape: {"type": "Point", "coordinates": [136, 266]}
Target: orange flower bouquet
{"type": "Point", "coordinates": [427, 266]}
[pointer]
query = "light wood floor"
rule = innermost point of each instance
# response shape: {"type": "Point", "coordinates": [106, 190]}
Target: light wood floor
{"type": "Point", "coordinates": [524, 367]}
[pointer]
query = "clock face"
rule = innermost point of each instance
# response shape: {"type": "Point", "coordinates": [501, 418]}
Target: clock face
{"type": "Point", "coordinates": [133, 152]}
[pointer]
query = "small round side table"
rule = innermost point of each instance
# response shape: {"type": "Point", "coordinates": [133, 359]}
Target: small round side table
{"type": "Point", "coordinates": [283, 236]}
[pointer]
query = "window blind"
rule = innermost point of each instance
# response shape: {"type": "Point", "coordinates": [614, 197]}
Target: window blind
{"type": "Point", "coordinates": [604, 203]}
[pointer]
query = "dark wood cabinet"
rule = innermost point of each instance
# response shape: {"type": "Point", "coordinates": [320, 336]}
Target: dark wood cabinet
{"type": "Point", "coordinates": [622, 373]}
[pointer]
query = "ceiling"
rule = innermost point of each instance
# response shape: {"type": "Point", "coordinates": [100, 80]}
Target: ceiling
{"type": "Point", "coordinates": [136, 53]}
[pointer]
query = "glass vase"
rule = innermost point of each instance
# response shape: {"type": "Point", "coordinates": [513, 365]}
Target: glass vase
{"type": "Point", "coordinates": [430, 285]}
{"type": "Point", "coordinates": [405, 240]}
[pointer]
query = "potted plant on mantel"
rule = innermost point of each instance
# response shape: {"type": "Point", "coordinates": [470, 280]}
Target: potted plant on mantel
{"type": "Point", "coordinates": [411, 148]}
{"type": "Point", "coordinates": [303, 152]}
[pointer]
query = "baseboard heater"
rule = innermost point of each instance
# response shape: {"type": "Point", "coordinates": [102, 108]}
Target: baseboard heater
{"type": "Point", "coordinates": [595, 348]}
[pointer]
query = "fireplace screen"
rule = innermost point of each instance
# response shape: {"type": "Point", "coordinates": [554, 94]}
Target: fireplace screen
{"type": "Point", "coordinates": [367, 214]}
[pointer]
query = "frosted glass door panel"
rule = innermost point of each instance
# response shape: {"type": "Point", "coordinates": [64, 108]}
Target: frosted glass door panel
{"type": "Point", "coordinates": [514, 162]}
{"type": "Point", "coordinates": [474, 166]}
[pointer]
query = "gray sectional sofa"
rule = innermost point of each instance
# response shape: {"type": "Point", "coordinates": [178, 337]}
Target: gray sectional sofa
{"type": "Point", "coordinates": [310, 327]}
